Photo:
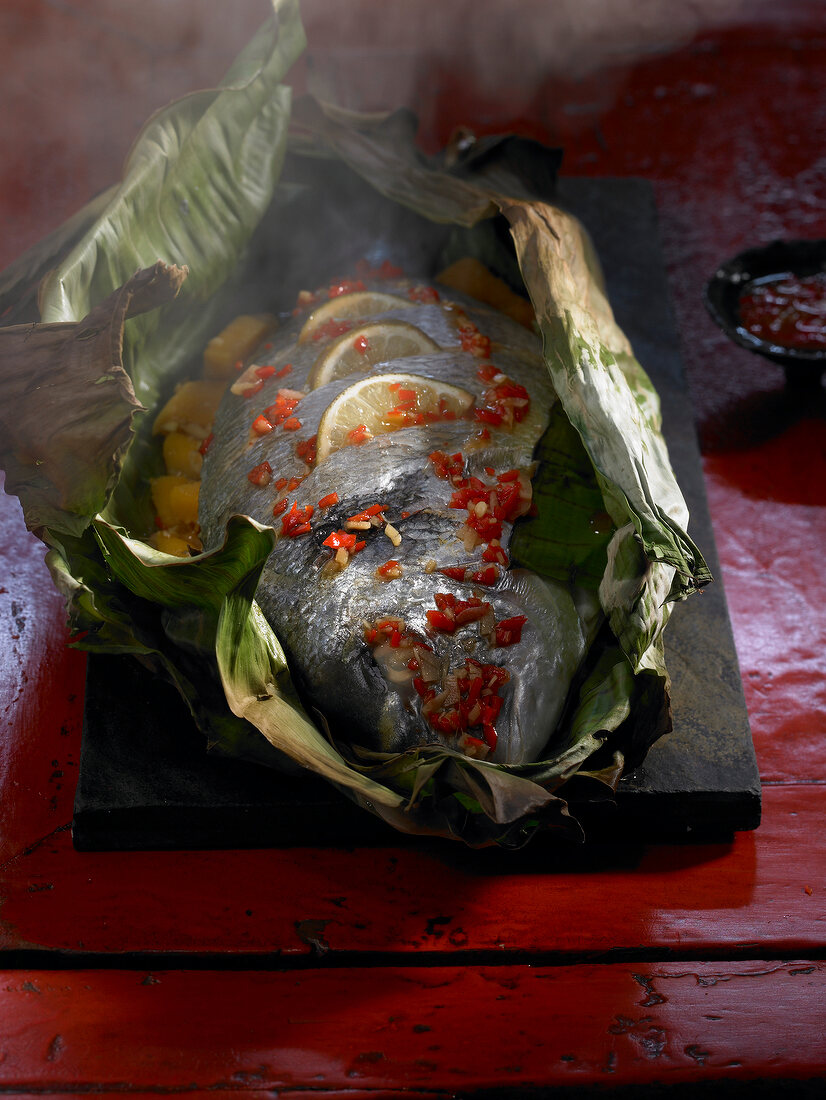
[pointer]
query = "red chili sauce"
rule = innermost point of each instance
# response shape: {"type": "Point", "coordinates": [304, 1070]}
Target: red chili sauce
{"type": "Point", "coordinates": [788, 310]}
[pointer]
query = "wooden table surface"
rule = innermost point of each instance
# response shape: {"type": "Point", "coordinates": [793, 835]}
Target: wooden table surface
{"type": "Point", "coordinates": [422, 968]}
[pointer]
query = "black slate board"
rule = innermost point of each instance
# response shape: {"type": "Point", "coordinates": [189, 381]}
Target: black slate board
{"type": "Point", "coordinates": [146, 781]}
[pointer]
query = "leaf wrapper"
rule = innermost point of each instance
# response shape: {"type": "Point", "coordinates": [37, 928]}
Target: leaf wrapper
{"type": "Point", "coordinates": [199, 179]}
{"type": "Point", "coordinates": [66, 404]}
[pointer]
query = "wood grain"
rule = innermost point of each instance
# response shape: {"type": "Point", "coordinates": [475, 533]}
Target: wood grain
{"type": "Point", "coordinates": [742, 898]}
{"type": "Point", "coordinates": [444, 1030]}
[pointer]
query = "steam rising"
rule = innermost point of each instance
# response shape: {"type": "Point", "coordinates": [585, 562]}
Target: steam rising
{"type": "Point", "coordinates": [499, 47]}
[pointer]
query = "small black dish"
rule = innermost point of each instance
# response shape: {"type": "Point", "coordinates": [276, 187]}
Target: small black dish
{"type": "Point", "coordinates": [803, 366]}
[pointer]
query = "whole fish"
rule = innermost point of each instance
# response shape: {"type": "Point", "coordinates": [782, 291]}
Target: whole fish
{"type": "Point", "coordinates": [393, 483]}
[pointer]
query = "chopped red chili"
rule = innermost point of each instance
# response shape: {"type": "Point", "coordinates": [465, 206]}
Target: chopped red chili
{"type": "Point", "coordinates": [331, 329]}
{"type": "Point", "coordinates": [328, 501]}
{"type": "Point", "coordinates": [261, 426]}
{"type": "Point", "coordinates": [509, 631]}
{"type": "Point", "coordinates": [260, 475]}
{"type": "Point", "coordinates": [340, 540]}
{"type": "Point", "coordinates": [424, 294]}
{"type": "Point", "coordinates": [281, 409]}
{"type": "Point", "coordinates": [359, 434]}
{"type": "Point", "coordinates": [455, 572]}
{"type": "Point", "coordinates": [368, 513]}
{"type": "Point", "coordinates": [306, 450]}
{"type": "Point", "coordinates": [438, 620]}
{"type": "Point", "coordinates": [345, 286]}
{"type": "Point", "coordinates": [487, 577]}
{"type": "Point", "coordinates": [447, 467]}
{"type": "Point", "coordinates": [297, 521]}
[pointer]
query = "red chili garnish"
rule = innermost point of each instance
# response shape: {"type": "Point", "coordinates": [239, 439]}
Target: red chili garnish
{"type": "Point", "coordinates": [261, 426]}
{"type": "Point", "coordinates": [494, 553]}
{"type": "Point", "coordinates": [291, 424]}
{"type": "Point", "coordinates": [383, 570]}
{"type": "Point", "coordinates": [504, 403]}
{"type": "Point", "coordinates": [297, 521]}
{"type": "Point", "coordinates": [425, 294]}
{"type": "Point", "coordinates": [207, 443]}
{"type": "Point", "coordinates": [281, 484]}
{"type": "Point", "coordinates": [284, 370]}
{"type": "Point", "coordinates": [509, 631]}
{"type": "Point", "coordinates": [359, 546]}
{"type": "Point", "coordinates": [328, 501]}
{"type": "Point", "coordinates": [361, 344]}
{"type": "Point", "coordinates": [280, 507]}
{"type": "Point", "coordinates": [487, 576]}
{"type": "Point", "coordinates": [306, 450]}
{"type": "Point", "coordinates": [486, 527]}
{"type": "Point", "coordinates": [441, 622]}
{"type": "Point", "coordinates": [339, 540]}
{"type": "Point", "coordinates": [255, 388]}
{"type": "Point", "coordinates": [331, 329]}
{"type": "Point", "coordinates": [293, 483]}
{"type": "Point", "coordinates": [346, 286]}
{"type": "Point", "coordinates": [474, 342]}
{"type": "Point", "coordinates": [490, 736]}
{"type": "Point", "coordinates": [265, 372]}
{"type": "Point", "coordinates": [359, 434]}
{"type": "Point", "coordinates": [282, 408]}
{"type": "Point", "coordinates": [260, 475]}
{"type": "Point", "coordinates": [455, 572]}
{"type": "Point", "coordinates": [405, 515]}
{"type": "Point", "coordinates": [447, 467]}
{"type": "Point", "coordinates": [368, 513]}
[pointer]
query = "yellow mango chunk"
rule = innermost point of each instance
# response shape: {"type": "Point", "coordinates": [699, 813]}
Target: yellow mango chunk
{"type": "Point", "coordinates": [175, 499]}
{"type": "Point", "coordinates": [170, 544]}
{"type": "Point", "coordinates": [236, 343]}
{"type": "Point", "coordinates": [470, 276]}
{"type": "Point", "coordinates": [181, 454]}
{"type": "Point", "coordinates": [191, 409]}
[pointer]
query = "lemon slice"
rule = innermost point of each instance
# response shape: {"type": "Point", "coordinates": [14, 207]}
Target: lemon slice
{"type": "Point", "coordinates": [384, 403]}
{"type": "Point", "coordinates": [351, 307]}
{"type": "Point", "coordinates": [363, 347]}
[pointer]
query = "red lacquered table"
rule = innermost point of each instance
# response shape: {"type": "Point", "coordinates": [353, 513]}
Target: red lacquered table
{"type": "Point", "coordinates": [423, 968]}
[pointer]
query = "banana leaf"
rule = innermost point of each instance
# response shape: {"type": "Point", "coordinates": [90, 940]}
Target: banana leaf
{"type": "Point", "coordinates": [110, 343]}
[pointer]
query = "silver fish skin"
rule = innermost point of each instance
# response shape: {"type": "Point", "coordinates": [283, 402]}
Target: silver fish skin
{"type": "Point", "coordinates": [321, 617]}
